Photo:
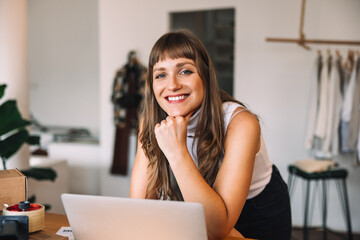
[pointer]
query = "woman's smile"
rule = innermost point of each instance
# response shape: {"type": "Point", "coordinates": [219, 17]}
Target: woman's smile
{"type": "Point", "coordinates": [177, 99]}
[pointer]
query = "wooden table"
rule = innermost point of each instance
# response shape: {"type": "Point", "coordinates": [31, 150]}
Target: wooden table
{"type": "Point", "coordinates": [53, 222]}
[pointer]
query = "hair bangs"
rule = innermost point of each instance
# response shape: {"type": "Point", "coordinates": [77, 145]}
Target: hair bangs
{"type": "Point", "coordinates": [172, 46]}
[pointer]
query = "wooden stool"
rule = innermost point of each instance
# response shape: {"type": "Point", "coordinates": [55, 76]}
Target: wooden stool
{"type": "Point", "coordinates": [337, 174]}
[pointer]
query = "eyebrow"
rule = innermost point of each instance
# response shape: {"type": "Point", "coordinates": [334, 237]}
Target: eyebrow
{"type": "Point", "coordinates": [181, 64]}
{"type": "Point", "coordinates": [178, 65]}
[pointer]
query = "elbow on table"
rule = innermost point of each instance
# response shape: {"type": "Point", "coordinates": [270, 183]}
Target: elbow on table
{"type": "Point", "coordinates": [219, 233]}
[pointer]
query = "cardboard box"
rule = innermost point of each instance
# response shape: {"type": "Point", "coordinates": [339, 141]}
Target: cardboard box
{"type": "Point", "coordinates": [13, 187]}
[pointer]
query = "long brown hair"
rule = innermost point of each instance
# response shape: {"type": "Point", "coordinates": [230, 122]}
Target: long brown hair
{"type": "Point", "coordinates": [209, 131]}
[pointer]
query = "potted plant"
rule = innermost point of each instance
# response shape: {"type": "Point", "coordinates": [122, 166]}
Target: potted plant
{"type": "Point", "coordinates": [13, 134]}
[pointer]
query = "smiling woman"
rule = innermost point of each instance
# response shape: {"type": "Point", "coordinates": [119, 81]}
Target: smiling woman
{"type": "Point", "coordinates": [198, 144]}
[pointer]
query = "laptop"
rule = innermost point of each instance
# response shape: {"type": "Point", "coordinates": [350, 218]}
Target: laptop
{"type": "Point", "coordinates": [100, 217]}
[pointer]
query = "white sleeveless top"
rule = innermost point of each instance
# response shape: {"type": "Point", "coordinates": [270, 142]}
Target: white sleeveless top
{"type": "Point", "coordinates": [262, 167]}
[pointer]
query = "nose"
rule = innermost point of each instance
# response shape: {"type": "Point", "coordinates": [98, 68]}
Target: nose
{"type": "Point", "coordinates": [174, 83]}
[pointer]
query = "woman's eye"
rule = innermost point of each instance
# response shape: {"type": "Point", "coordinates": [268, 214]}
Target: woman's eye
{"type": "Point", "coordinates": [159, 76]}
{"type": "Point", "coordinates": [186, 72]}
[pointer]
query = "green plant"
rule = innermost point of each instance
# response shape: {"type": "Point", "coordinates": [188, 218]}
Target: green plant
{"type": "Point", "coordinates": [13, 132]}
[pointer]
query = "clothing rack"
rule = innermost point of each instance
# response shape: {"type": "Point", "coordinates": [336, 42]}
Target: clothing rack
{"type": "Point", "coordinates": [302, 41]}
{"type": "Point", "coordinates": [335, 104]}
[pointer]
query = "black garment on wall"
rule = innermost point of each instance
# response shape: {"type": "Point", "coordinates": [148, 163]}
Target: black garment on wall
{"type": "Point", "coordinates": [128, 88]}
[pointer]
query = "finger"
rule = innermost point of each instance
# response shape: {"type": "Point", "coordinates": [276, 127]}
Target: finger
{"type": "Point", "coordinates": [156, 128]}
{"type": "Point", "coordinates": [169, 118]}
{"type": "Point", "coordinates": [171, 121]}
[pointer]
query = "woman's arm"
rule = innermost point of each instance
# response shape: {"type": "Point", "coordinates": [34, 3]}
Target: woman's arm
{"type": "Point", "coordinates": [222, 203]}
{"type": "Point", "coordinates": [233, 181]}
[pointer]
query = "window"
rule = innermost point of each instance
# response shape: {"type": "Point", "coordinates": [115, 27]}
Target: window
{"type": "Point", "coordinates": [215, 28]}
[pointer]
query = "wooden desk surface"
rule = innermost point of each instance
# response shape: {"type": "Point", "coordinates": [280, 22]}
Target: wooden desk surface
{"type": "Point", "coordinates": [53, 222]}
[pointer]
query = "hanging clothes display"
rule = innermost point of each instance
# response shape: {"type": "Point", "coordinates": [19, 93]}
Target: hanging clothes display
{"type": "Point", "coordinates": [334, 113]}
{"type": "Point", "coordinates": [128, 89]}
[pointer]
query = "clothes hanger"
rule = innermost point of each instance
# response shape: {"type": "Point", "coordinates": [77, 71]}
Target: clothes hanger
{"type": "Point", "coordinates": [328, 52]}
{"type": "Point", "coordinates": [337, 53]}
{"type": "Point", "coordinates": [349, 62]}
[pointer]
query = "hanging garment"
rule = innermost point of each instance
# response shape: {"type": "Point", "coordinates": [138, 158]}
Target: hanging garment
{"type": "Point", "coordinates": [121, 145]}
{"type": "Point", "coordinates": [330, 144]}
{"type": "Point", "coordinates": [127, 94]}
{"type": "Point", "coordinates": [329, 63]}
{"type": "Point", "coordinates": [321, 119]}
{"type": "Point", "coordinates": [128, 89]}
{"type": "Point", "coordinates": [314, 104]}
{"type": "Point", "coordinates": [354, 122]}
{"type": "Point", "coordinates": [348, 98]}
{"type": "Point", "coordinates": [348, 95]}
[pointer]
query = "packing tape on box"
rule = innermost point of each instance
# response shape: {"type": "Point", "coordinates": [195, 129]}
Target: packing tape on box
{"type": "Point", "coordinates": [36, 214]}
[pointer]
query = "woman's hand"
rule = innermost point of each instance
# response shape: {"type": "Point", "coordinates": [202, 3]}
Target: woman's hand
{"type": "Point", "coordinates": [171, 135]}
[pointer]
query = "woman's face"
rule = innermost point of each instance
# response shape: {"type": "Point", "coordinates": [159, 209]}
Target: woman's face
{"type": "Point", "coordinates": [177, 86]}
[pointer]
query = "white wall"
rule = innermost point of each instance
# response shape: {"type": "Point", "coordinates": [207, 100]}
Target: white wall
{"type": "Point", "coordinates": [63, 62]}
{"type": "Point", "coordinates": [83, 165]}
{"type": "Point", "coordinates": [272, 78]}
{"type": "Point", "coordinates": [46, 191]}
{"type": "Point", "coordinates": [13, 65]}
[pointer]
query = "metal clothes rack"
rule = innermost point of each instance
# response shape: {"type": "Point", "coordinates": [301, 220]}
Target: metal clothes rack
{"type": "Point", "coordinates": [302, 41]}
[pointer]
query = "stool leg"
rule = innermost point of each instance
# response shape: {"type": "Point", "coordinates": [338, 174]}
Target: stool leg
{"type": "Point", "coordinates": [305, 232]}
{"type": "Point", "coordinates": [290, 177]}
{"type": "Point", "coordinates": [347, 211]}
{"type": "Point", "coordinates": [312, 202]}
{"type": "Point", "coordinates": [291, 183]}
{"type": "Point", "coordinates": [324, 209]}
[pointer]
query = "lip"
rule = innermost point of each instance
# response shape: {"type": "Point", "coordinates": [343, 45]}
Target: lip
{"type": "Point", "coordinates": [178, 98]}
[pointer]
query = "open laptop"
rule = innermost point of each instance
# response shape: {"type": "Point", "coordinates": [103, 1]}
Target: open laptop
{"type": "Point", "coordinates": [100, 217]}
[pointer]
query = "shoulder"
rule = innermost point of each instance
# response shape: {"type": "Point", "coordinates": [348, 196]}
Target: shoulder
{"type": "Point", "coordinates": [242, 118]}
{"type": "Point", "coordinates": [243, 130]}
{"type": "Point", "coordinates": [229, 107]}
{"type": "Point", "coordinates": [243, 124]}
{"type": "Point", "coordinates": [233, 109]}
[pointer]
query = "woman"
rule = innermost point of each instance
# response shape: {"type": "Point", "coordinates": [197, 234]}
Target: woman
{"type": "Point", "coordinates": [197, 144]}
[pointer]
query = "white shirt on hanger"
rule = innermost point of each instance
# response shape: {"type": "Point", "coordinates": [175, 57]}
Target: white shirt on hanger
{"type": "Point", "coordinates": [348, 98]}
{"type": "Point", "coordinates": [313, 107]}
{"type": "Point", "coordinates": [321, 121]}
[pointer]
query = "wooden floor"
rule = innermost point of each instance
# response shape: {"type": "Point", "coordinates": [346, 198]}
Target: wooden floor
{"type": "Point", "coordinates": [316, 234]}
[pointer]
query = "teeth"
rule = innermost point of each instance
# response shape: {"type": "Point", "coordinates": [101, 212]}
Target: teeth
{"type": "Point", "coordinates": [176, 98]}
